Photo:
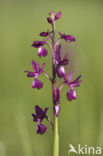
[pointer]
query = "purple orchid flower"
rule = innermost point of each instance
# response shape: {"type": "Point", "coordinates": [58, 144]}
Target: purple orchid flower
{"type": "Point", "coordinates": [38, 117]}
{"type": "Point", "coordinates": [71, 95]}
{"type": "Point", "coordinates": [59, 62]}
{"type": "Point", "coordinates": [37, 71]}
{"type": "Point", "coordinates": [56, 97]}
{"type": "Point", "coordinates": [67, 38]}
{"type": "Point", "coordinates": [42, 51]}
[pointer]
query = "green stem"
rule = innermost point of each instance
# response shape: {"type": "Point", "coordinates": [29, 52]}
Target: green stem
{"type": "Point", "coordinates": [56, 137]}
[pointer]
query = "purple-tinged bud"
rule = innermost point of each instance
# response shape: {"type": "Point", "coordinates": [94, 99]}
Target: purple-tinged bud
{"type": "Point", "coordinates": [57, 109]}
{"type": "Point", "coordinates": [69, 38]}
{"type": "Point", "coordinates": [52, 13]}
{"type": "Point", "coordinates": [37, 44]}
{"type": "Point", "coordinates": [44, 34]}
{"type": "Point", "coordinates": [37, 84]}
{"type": "Point", "coordinates": [58, 15]}
{"type": "Point", "coordinates": [71, 95]}
{"type": "Point", "coordinates": [42, 52]}
{"type": "Point", "coordinates": [41, 128]}
{"type": "Point", "coordinates": [49, 19]}
{"type": "Point", "coordinates": [61, 71]}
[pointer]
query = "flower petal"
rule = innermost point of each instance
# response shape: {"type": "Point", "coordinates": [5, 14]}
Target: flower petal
{"type": "Point", "coordinates": [49, 19]}
{"type": "Point", "coordinates": [45, 111]}
{"type": "Point", "coordinates": [76, 82]}
{"type": "Point", "coordinates": [41, 128]}
{"type": "Point", "coordinates": [40, 113]}
{"type": "Point", "coordinates": [58, 15]}
{"type": "Point", "coordinates": [42, 52]}
{"type": "Point", "coordinates": [41, 70]}
{"type": "Point", "coordinates": [70, 76]}
{"type": "Point", "coordinates": [35, 66]}
{"type": "Point", "coordinates": [30, 74]}
{"type": "Point", "coordinates": [44, 34]}
{"type": "Point", "coordinates": [57, 54]}
{"type": "Point", "coordinates": [37, 84]}
{"type": "Point", "coordinates": [65, 60]}
{"type": "Point", "coordinates": [69, 38]}
{"type": "Point", "coordinates": [57, 109]}
{"type": "Point", "coordinates": [71, 95]}
{"type": "Point", "coordinates": [35, 118]}
{"type": "Point", "coordinates": [37, 44]}
{"type": "Point", "coordinates": [61, 71]}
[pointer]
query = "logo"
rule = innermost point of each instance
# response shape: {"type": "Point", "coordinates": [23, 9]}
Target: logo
{"type": "Point", "coordinates": [84, 149]}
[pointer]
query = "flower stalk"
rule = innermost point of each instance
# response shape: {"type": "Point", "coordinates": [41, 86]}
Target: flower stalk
{"type": "Point", "coordinates": [56, 137]}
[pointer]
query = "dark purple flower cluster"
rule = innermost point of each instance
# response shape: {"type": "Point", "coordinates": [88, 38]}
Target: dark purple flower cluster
{"type": "Point", "coordinates": [39, 117]}
{"type": "Point", "coordinates": [58, 64]}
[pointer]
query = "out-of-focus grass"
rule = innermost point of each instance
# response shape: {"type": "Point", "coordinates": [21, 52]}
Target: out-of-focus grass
{"type": "Point", "coordinates": [79, 121]}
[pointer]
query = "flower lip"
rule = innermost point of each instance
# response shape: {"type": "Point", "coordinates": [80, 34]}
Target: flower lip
{"type": "Point", "coordinates": [41, 129]}
{"type": "Point", "coordinates": [37, 84]}
{"type": "Point", "coordinates": [42, 52]}
{"type": "Point", "coordinates": [61, 71]}
{"type": "Point", "coordinates": [71, 95]}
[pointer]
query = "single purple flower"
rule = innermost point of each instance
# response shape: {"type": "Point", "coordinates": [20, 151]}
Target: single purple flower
{"type": "Point", "coordinates": [42, 52]}
{"type": "Point", "coordinates": [58, 15]}
{"type": "Point", "coordinates": [56, 97]}
{"type": "Point", "coordinates": [36, 72]}
{"type": "Point", "coordinates": [76, 83]}
{"type": "Point", "coordinates": [38, 117]}
{"type": "Point", "coordinates": [50, 20]}
{"type": "Point", "coordinates": [38, 44]}
{"type": "Point", "coordinates": [44, 34]}
{"type": "Point", "coordinates": [68, 38]}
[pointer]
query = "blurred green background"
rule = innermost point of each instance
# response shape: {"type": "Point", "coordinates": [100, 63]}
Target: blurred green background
{"type": "Point", "coordinates": [80, 121]}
